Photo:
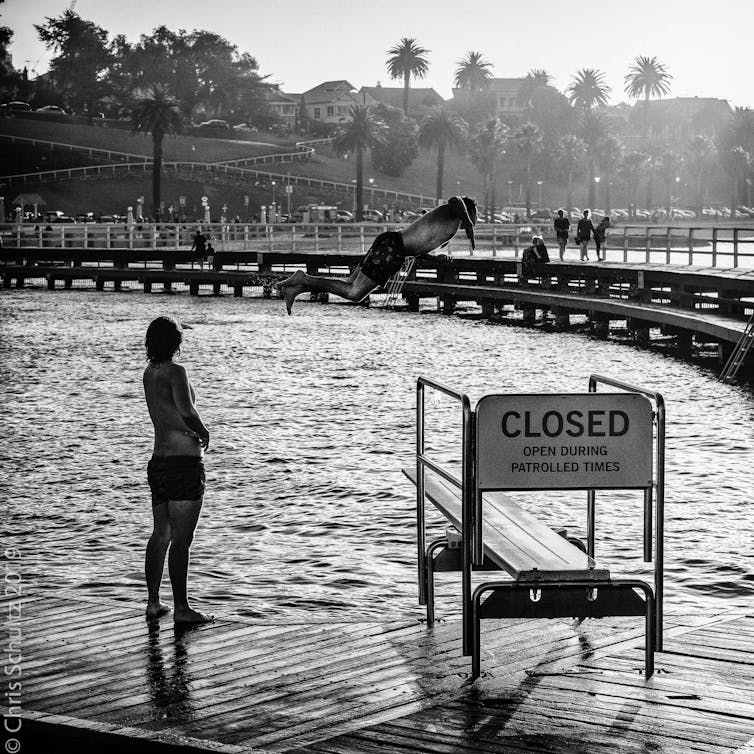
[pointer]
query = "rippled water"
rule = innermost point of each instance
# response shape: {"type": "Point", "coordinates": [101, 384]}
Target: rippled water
{"type": "Point", "coordinates": [312, 416]}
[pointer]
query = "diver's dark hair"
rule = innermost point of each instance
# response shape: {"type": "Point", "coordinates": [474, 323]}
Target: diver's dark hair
{"type": "Point", "coordinates": [163, 341]}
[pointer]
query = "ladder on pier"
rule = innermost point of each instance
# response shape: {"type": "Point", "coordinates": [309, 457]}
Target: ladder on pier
{"type": "Point", "coordinates": [730, 370]}
{"type": "Point", "coordinates": [394, 286]}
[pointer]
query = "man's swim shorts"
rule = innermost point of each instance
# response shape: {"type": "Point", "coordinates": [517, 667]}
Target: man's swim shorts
{"type": "Point", "coordinates": [384, 258]}
{"type": "Point", "coordinates": [175, 478]}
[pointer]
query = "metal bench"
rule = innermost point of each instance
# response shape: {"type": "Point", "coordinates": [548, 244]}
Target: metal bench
{"type": "Point", "coordinates": [551, 576]}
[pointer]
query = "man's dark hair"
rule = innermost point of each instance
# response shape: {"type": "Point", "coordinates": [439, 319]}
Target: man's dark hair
{"type": "Point", "coordinates": [163, 341]}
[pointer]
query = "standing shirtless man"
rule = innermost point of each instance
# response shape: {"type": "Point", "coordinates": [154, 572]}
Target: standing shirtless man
{"type": "Point", "coordinates": [175, 471]}
{"type": "Point", "coordinates": [388, 252]}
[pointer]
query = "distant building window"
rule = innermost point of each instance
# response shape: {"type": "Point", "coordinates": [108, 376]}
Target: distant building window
{"type": "Point", "coordinates": [342, 110]}
{"type": "Point", "coordinates": [317, 113]}
{"type": "Point", "coordinates": [330, 111]}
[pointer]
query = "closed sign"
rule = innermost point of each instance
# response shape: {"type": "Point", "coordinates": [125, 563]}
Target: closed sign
{"type": "Point", "coordinates": [570, 441]}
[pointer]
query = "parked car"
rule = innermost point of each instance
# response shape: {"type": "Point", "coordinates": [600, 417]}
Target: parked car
{"type": "Point", "coordinates": [371, 216]}
{"type": "Point", "coordinates": [344, 216]}
{"type": "Point", "coordinates": [51, 110]}
{"type": "Point", "coordinates": [215, 124]}
{"type": "Point", "coordinates": [19, 106]}
{"type": "Point", "coordinates": [246, 128]}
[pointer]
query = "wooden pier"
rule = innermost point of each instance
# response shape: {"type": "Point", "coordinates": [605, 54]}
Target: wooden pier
{"type": "Point", "coordinates": [97, 677]}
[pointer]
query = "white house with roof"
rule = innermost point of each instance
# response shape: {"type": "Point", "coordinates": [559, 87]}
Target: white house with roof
{"type": "Point", "coordinates": [505, 92]}
{"type": "Point", "coordinates": [330, 101]}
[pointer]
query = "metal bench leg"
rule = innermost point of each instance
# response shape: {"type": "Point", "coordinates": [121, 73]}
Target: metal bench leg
{"type": "Point", "coordinates": [429, 578]}
{"type": "Point", "coordinates": [476, 643]}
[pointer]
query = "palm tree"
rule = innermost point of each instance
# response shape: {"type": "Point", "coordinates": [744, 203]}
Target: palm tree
{"type": "Point", "coordinates": [487, 144]}
{"type": "Point", "coordinates": [528, 138]}
{"type": "Point", "coordinates": [587, 89]}
{"type": "Point", "coordinates": [536, 79]}
{"type": "Point", "coordinates": [473, 73]}
{"type": "Point", "coordinates": [571, 151]}
{"type": "Point", "coordinates": [593, 132]}
{"type": "Point", "coordinates": [407, 60]}
{"type": "Point", "coordinates": [157, 113]}
{"type": "Point", "coordinates": [736, 162]}
{"type": "Point", "coordinates": [697, 159]}
{"type": "Point", "coordinates": [647, 77]}
{"type": "Point", "coordinates": [630, 169]}
{"type": "Point", "coordinates": [609, 153]}
{"type": "Point", "coordinates": [361, 133]}
{"type": "Point", "coordinates": [668, 166]}
{"type": "Point", "coordinates": [439, 130]}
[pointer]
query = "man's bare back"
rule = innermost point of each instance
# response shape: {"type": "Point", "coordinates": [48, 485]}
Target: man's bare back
{"type": "Point", "coordinates": [171, 403]}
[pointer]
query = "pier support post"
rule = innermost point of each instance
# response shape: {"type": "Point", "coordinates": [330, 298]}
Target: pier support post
{"type": "Point", "coordinates": [488, 308]}
{"type": "Point", "coordinates": [448, 304]}
{"type": "Point", "coordinates": [167, 286]}
{"type": "Point", "coordinates": [68, 284]}
{"type": "Point", "coordinates": [147, 286]}
{"type": "Point", "coordinates": [194, 288]}
{"type": "Point", "coordinates": [562, 319]}
{"type": "Point", "coordinates": [238, 290]}
{"type": "Point", "coordinates": [117, 284]}
{"type": "Point", "coordinates": [640, 330]}
{"type": "Point", "coordinates": [20, 282]}
{"type": "Point", "coordinates": [600, 324]}
{"type": "Point", "coordinates": [216, 289]}
{"type": "Point", "coordinates": [99, 283]}
{"type": "Point", "coordinates": [7, 280]}
{"type": "Point", "coordinates": [50, 283]}
{"type": "Point", "coordinates": [412, 302]}
{"type": "Point", "coordinates": [530, 314]}
{"type": "Point", "coordinates": [683, 343]}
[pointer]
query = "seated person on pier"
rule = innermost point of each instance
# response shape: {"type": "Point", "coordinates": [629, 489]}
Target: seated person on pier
{"type": "Point", "coordinates": [535, 254]}
{"type": "Point", "coordinates": [388, 252]}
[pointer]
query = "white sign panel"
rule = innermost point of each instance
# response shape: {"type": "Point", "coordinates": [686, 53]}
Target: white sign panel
{"type": "Point", "coordinates": [570, 441]}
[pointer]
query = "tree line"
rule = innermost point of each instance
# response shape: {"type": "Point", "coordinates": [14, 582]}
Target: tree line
{"type": "Point", "coordinates": [167, 79]}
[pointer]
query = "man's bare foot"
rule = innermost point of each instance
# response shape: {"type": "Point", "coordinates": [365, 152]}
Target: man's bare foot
{"type": "Point", "coordinates": [157, 610]}
{"type": "Point", "coordinates": [192, 617]}
{"type": "Point", "coordinates": [292, 287]}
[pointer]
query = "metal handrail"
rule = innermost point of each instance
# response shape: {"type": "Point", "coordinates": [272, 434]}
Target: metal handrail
{"type": "Point", "coordinates": [659, 487]}
{"type": "Point", "coordinates": [466, 485]}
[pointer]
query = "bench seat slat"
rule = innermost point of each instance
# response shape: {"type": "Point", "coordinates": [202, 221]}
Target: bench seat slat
{"type": "Point", "coordinates": [514, 539]}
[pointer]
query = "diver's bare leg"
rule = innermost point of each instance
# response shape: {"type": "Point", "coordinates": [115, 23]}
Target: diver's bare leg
{"type": "Point", "coordinates": [353, 288]}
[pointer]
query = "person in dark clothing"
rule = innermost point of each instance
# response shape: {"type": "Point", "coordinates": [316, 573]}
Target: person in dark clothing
{"type": "Point", "coordinates": [584, 231]}
{"type": "Point", "coordinates": [562, 226]}
{"type": "Point", "coordinates": [599, 235]}
{"type": "Point", "coordinates": [535, 254]}
{"type": "Point", "coordinates": [200, 247]}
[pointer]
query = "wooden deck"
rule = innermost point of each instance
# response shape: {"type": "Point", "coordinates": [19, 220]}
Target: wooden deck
{"type": "Point", "coordinates": [97, 677]}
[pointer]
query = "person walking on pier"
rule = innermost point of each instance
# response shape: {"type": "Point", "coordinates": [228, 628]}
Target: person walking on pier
{"type": "Point", "coordinates": [175, 472]}
{"type": "Point", "coordinates": [599, 235]}
{"type": "Point", "coordinates": [584, 231]}
{"type": "Point", "coordinates": [388, 252]}
{"type": "Point", "coordinates": [562, 226]}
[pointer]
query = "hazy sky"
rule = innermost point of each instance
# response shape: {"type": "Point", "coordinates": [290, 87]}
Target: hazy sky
{"type": "Point", "coordinates": [706, 44]}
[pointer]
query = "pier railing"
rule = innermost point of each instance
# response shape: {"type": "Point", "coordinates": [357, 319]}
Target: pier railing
{"type": "Point", "coordinates": [712, 246]}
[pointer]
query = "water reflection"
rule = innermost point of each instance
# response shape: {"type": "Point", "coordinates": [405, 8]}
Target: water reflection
{"type": "Point", "coordinates": [168, 676]}
{"type": "Point", "coordinates": [307, 514]}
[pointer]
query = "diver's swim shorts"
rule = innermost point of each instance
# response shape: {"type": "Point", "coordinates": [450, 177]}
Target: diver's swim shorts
{"type": "Point", "coordinates": [175, 478]}
{"type": "Point", "coordinates": [384, 258]}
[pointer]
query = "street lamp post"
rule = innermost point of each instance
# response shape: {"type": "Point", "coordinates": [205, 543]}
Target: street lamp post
{"type": "Point", "coordinates": [510, 196]}
{"type": "Point", "coordinates": [273, 192]}
{"type": "Point", "coordinates": [371, 186]}
{"type": "Point", "coordinates": [539, 200]}
{"type": "Point", "coordinates": [596, 191]}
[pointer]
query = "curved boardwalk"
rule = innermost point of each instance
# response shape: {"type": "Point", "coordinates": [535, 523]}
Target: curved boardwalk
{"type": "Point", "coordinates": [96, 674]}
